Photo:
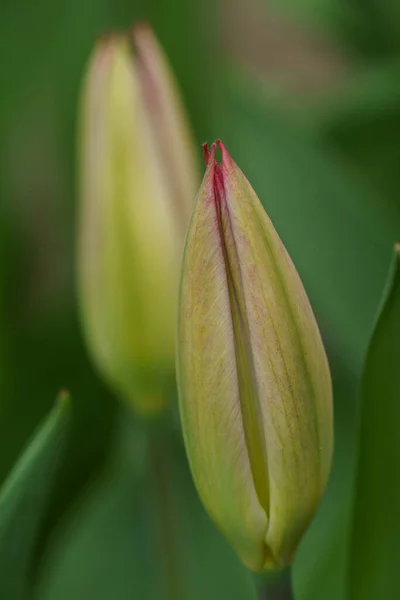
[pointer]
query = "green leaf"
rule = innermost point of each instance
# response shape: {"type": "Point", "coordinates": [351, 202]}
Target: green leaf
{"type": "Point", "coordinates": [141, 532]}
{"type": "Point", "coordinates": [23, 499]}
{"type": "Point", "coordinates": [375, 548]}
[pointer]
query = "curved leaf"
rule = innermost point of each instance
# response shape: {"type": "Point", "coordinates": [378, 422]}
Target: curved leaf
{"type": "Point", "coordinates": [23, 499]}
{"type": "Point", "coordinates": [375, 549]}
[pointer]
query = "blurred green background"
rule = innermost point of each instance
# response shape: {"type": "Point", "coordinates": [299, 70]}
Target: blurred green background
{"type": "Point", "coordinates": [306, 96]}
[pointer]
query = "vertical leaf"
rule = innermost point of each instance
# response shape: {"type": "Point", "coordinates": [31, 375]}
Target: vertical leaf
{"type": "Point", "coordinates": [23, 499]}
{"type": "Point", "coordinates": [375, 549]}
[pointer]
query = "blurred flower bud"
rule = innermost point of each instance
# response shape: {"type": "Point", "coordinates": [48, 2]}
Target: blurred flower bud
{"type": "Point", "coordinates": [138, 181]}
{"type": "Point", "coordinates": [254, 383]}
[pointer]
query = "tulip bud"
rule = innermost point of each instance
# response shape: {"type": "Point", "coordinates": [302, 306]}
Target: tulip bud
{"type": "Point", "coordinates": [254, 383]}
{"type": "Point", "coordinates": [138, 184]}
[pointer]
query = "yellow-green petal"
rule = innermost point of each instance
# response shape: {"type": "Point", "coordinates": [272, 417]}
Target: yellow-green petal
{"type": "Point", "coordinates": [254, 382]}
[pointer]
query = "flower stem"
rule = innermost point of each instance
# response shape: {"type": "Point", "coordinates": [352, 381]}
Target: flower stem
{"type": "Point", "coordinates": [165, 513]}
{"type": "Point", "coordinates": [280, 588]}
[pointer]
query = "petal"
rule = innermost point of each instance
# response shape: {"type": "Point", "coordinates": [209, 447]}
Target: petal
{"type": "Point", "coordinates": [209, 388]}
{"type": "Point", "coordinates": [171, 137]}
{"type": "Point", "coordinates": [292, 372]}
{"type": "Point", "coordinates": [130, 247]}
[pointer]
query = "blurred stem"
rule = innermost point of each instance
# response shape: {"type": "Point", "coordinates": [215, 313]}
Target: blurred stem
{"type": "Point", "coordinates": [279, 588]}
{"type": "Point", "coordinates": [161, 479]}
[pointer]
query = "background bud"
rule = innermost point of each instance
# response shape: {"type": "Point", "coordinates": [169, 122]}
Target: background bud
{"type": "Point", "coordinates": [135, 202]}
{"type": "Point", "coordinates": [254, 382]}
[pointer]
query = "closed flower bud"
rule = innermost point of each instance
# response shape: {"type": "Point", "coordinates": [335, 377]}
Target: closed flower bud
{"type": "Point", "coordinates": [138, 182]}
{"type": "Point", "coordinates": [254, 383]}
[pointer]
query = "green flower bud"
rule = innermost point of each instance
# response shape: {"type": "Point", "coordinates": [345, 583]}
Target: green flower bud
{"type": "Point", "coordinates": [254, 384]}
{"type": "Point", "coordinates": [138, 182]}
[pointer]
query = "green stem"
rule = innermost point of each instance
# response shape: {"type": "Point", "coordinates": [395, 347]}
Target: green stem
{"type": "Point", "coordinates": [280, 588]}
{"type": "Point", "coordinates": [165, 516]}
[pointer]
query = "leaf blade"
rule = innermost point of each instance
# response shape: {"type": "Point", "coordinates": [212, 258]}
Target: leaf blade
{"type": "Point", "coordinates": [375, 543]}
{"type": "Point", "coordinates": [23, 498]}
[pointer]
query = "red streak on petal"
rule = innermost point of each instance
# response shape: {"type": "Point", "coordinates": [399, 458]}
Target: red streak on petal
{"type": "Point", "coordinates": [206, 153]}
{"type": "Point", "coordinates": [209, 159]}
{"type": "Point", "coordinates": [215, 187]}
{"type": "Point", "coordinates": [220, 146]}
{"type": "Point", "coordinates": [218, 183]}
{"type": "Point", "coordinates": [226, 162]}
{"type": "Point", "coordinates": [141, 28]}
{"type": "Point", "coordinates": [217, 171]}
{"type": "Point", "coordinates": [219, 187]}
